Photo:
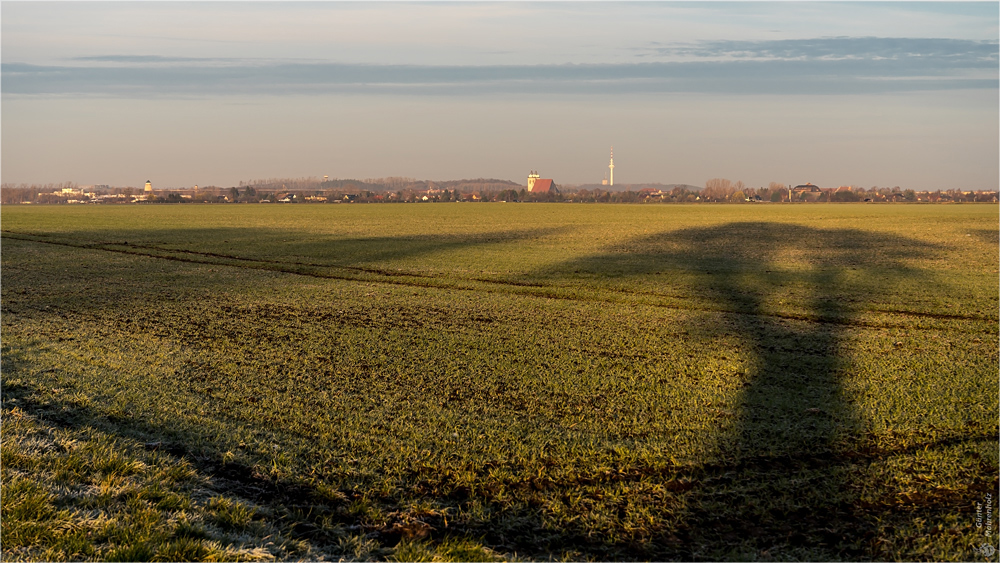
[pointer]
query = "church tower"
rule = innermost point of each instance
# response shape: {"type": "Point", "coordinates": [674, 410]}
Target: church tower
{"type": "Point", "coordinates": [532, 176]}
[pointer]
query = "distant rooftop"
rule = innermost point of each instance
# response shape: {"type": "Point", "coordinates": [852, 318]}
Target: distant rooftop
{"type": "Point", "coordinates": [543, 185]}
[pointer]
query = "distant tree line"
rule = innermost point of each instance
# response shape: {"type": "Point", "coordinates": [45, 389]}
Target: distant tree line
{"type": "Point", "coordinates": [409, 190]}
{"type": "Point", "coordinates": [390, 184]}
{"type": "Point", "coordinates": [34, 193]}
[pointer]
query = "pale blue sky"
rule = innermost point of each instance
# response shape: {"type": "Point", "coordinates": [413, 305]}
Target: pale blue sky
{"type": "Point", "coordinates": [213, 93]}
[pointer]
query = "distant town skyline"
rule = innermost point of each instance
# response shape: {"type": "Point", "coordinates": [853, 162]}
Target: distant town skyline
{"type": "Point", "coordinates": [857, 93]}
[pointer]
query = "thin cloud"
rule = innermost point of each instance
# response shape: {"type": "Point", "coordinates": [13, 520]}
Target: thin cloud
{"type": "Point", "coordinates": [825, 48]}
{"type": "Point", "coordinates": [141, 59]}
{"type": "Point", "coordinates": [813, 66]}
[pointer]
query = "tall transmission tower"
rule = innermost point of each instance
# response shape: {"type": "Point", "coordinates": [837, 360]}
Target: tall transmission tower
{"type": "Point", "coordinates": [612, 166]}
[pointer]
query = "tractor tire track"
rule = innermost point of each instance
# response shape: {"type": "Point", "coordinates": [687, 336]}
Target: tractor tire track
{"type": "Point", "coordinates": [412, 279]}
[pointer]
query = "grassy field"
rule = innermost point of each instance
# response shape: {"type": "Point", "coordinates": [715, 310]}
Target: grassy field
{"type": "Point", "coordinates": [499, 381]}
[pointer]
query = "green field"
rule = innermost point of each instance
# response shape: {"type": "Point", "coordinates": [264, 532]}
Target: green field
{"type": "Point", "coordinates": [499, 381]}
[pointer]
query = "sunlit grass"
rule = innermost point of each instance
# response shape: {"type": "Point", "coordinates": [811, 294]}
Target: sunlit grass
{"type": "Point", "coordinates": [473, 382]}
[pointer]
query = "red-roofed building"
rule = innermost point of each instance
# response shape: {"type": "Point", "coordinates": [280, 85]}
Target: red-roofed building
{"type": "Point", "coordinates": [541, 185]}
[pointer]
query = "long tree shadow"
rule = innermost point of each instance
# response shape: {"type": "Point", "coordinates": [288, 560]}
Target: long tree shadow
{"type": "Point", "coordinates": [283, 245]}
{"type": "Point", "coordinates": [385, 258]}
{"type": "Point", "coordinates": [778, 488]}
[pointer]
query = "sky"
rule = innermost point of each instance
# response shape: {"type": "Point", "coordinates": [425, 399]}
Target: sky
{"type": "Point", "coordinates": [214, 93]}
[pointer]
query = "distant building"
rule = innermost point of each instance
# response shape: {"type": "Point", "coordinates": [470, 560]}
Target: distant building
{"type": "Point", "coordinates": [541, 185]}
{"type": "Point", "coordinates": [806, 192]}
{"type": "Point", "coordinates": [149, 187]}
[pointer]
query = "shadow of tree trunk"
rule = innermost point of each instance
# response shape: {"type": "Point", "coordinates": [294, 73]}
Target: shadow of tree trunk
{"type": "Point", "coordinates": [780, 486]}
{"type": "Point", "coordinates": [786, 496]}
